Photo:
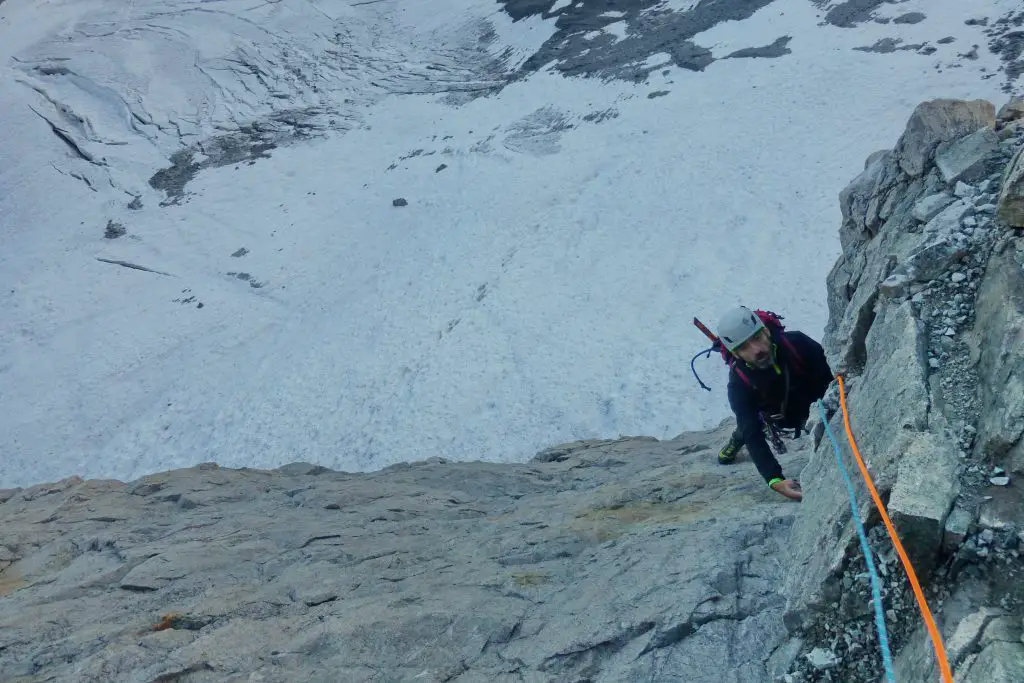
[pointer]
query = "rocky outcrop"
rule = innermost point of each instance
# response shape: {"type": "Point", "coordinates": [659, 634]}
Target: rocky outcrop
{"type": "Point", "coordinates": [926, 320]}
{"type": "Point", "coordinates": [607, 561]}
{"type": "Point", "coordinates": [934, 123]}
{"type": "Point", "coordinates": [999, 340]}
{"type": "Point", "coordinates": [1011, 199]}
{"type": "Point", "coordinates": [1010, 118]}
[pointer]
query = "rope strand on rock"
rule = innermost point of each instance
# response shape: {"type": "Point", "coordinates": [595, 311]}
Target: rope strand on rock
{"type": "Point", "coordinates": [922, 603]}
{"type": "Point", "coordinates": [869, 559]}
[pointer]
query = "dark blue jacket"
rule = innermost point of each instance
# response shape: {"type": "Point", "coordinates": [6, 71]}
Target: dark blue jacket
{"type": "Point", "coordinates": [808, 378]}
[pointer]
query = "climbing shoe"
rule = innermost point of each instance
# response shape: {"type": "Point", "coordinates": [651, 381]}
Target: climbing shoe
{"type": "Point", "coordinates": [727, 455]}
{"type": "Point", "coordinates": [790, 488]}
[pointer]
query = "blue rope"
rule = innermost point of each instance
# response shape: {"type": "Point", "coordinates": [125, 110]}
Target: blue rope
{"type": "Point", "coordinates": [876, 589]}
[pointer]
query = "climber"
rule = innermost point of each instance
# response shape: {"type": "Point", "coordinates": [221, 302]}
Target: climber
{"type": "Point", "coordinates": [774, 377]}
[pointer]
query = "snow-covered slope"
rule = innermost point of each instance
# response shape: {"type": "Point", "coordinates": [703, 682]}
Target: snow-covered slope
{"type": "Point", "coordinates": [201, 257]}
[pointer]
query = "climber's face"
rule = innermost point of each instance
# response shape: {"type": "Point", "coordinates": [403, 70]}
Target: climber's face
{"type": "Point", "coordinates": [757, 350]}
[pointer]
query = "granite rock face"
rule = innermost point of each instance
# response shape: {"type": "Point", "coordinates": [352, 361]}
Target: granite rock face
{"type": "Point", "coordinates": [927, 323]}
{"type": "Point", "coordinates": [607, 561]}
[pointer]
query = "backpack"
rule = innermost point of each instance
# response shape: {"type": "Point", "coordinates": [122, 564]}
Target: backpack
{"type": "Point", "coordinates": [771, 320]}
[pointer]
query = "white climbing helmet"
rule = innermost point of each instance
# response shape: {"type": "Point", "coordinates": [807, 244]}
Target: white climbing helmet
{"type": "Point", "coordinates": [737, 326]}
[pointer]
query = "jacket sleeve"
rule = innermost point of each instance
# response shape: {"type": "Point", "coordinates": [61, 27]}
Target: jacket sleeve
{"type": "Point", "coordinates": [744, 406]}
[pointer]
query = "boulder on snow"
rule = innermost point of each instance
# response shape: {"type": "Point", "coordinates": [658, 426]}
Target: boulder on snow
{"type": "Point", "coordinates": [935, 122]}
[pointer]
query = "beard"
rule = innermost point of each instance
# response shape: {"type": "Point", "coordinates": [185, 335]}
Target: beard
{"type": "Point", "coordinates": [763, 360]}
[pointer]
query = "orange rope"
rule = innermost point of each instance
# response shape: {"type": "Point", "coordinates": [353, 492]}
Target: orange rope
{"type": "Point", "coordinates": [929, 620]}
